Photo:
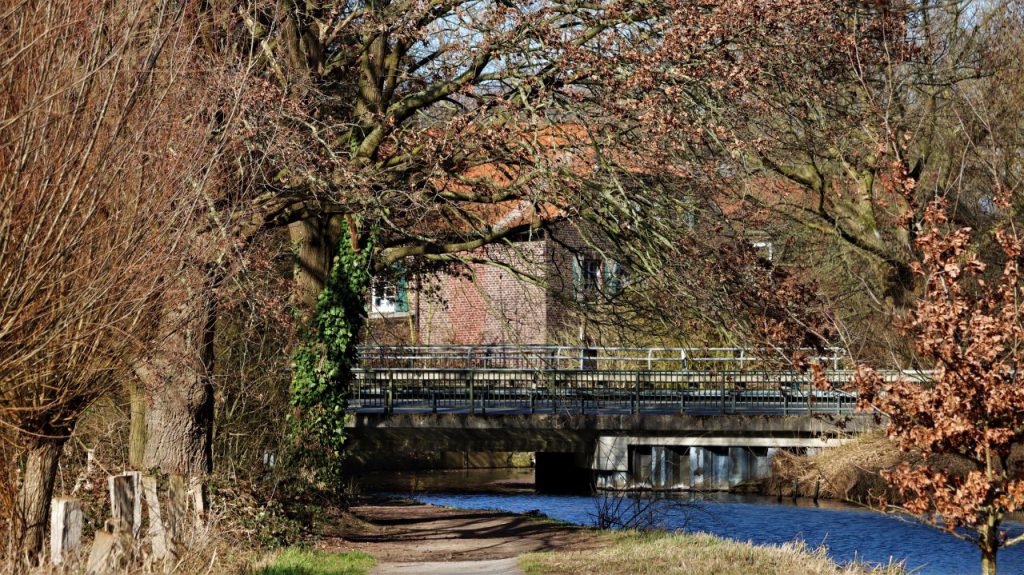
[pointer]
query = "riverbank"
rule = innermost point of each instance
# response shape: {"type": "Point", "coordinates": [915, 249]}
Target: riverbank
{"type": "Point", "coordinates": [397, 530]}
{"type": "Point", "coordinates": [410, 537]}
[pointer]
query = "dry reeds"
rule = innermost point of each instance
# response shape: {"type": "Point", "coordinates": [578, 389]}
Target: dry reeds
{"type": "Point", "coordinates": [849, 472]}
{"type": "Point", "coordinates": [696, 554]}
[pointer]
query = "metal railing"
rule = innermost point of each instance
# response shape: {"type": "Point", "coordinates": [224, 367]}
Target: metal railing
{"type": "Point", "coordinates": [585, 358]}
{"type": "Point", "coordinates": [516, 380]}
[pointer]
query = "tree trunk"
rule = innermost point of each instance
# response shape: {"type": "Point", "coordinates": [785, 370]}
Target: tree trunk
{"type": "Point", "coordinates": [33, 506]}
{"type": "Point", "coordinates": [989, 544]}
{"type": "Point", "coordinates": [901, 285]}
{"type": "Point", "coordinates": [177, 378]}
{"type": "Point", "coordinates": [988, 562]}
{"type": "Point", "coordinates": [316, 243]}
{"type": "Point", "coordinates": [137, 426]}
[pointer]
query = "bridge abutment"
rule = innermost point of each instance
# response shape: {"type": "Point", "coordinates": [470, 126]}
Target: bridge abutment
{"type": "Point", "coordinates": [690, 463]}
{"type": "Point", "coordinates": [612, 451]}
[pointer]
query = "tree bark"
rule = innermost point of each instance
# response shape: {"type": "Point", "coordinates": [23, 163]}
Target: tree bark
{"type": "Point", "coordinates": [988, 563]}
{"type": "Point", "coordinates": [316, 243]}
{"type": "Point", "coordinates": [177, 378]}
{"type": "Point", "coordinates": [989, 545]}
{"type": "Point", "coordinates": [901, 284]}
{"type": "Point", "coordinates": [33, 505]}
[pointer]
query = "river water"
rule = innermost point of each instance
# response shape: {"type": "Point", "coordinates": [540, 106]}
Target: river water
{"type": "Point", "coordinates": [849, 533]}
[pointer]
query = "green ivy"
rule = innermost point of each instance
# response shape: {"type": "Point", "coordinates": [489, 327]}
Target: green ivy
{"type": "Point", "coordinates": [322, 365]}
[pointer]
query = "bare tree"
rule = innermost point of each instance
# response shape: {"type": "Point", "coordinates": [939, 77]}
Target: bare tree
{"type": "Point", "coordinates": [102, 166]}
{"type": "Point", "coordinates": [927, 106]}
{"type": "Point", "coordinates": [437, 128]}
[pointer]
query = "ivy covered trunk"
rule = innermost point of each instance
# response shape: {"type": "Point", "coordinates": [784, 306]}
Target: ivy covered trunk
{"type": "Point", "coordinates": [315, 242]}
{"type": "Point", "coordinates": [322, 365]}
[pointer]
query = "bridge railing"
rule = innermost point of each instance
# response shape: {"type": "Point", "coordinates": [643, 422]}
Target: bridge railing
{"type": "Point", "coordinates": [551, 357]}
{"type": "Point", "coordinates": [610, 391]}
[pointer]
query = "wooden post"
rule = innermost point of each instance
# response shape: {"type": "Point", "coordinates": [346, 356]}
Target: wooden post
{"type": "Point", "coordinates": [796, 489]}
{"type": "Point", "coordinates": [198, 499]}
{"type": "Point", "coordinates": [125, 502]}
{"type": "Point", "coordinates": [156, 532]}
{"type": "Point", "coordinates": [109, 551]}
{"type": "Point", "coordinates": [817, 489]}
{"type": "Point", "coordinates": [65, 528]}
{"type": "Point", "coordinates": [136, 479]}
{"type": "Point", "coordinates": [177, 502]}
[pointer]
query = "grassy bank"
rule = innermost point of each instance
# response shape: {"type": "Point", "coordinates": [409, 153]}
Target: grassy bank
{"type": "Point", "coordinates": [697, 554]}
{"type": "Point", "coordinates": [293, 561]}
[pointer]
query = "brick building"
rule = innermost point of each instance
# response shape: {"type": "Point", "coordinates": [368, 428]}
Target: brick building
{"type": "Point", "coordinates": [524, 296]}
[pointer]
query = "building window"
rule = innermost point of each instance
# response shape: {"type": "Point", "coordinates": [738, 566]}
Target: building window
{"type": "Point", "coordinates": [586, 276]}
{"type": "Point", "coordinates": [592, 276]}
{"type": "Point", "coordinates": [614, 278]}
{"type": "Point", "coordinates": [390, 295]}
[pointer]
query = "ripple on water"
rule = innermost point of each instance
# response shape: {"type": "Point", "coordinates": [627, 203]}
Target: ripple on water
{"type": "Point", "coordinates": [849, 533]}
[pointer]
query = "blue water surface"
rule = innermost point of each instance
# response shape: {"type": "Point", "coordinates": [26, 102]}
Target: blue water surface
{"type": "Point", "coordinates": [848, 533]}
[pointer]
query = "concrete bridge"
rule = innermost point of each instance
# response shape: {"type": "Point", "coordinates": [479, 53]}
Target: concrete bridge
{"type": "Point", "coordinates": [613, 418]}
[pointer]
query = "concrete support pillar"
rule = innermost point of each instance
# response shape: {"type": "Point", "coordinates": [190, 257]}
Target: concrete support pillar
{"type": "Point", "coordinates": [699, 463]}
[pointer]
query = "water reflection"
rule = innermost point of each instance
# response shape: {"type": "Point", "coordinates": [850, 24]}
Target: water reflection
{"type": "Point", "coordinates": [849, 533]}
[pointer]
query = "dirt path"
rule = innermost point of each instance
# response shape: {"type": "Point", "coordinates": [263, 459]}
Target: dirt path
{"type": "Point", "coordinates": [411, 538]}
{"type": "Point", "coordinates": [484, 567]}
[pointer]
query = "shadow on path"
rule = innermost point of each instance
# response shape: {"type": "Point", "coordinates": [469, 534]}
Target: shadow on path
{"type": "Point", "coordinates": [401, 534]}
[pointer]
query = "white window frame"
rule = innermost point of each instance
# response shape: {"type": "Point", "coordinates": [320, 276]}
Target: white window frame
{"type": "Point", "coordinates": [384, 298]}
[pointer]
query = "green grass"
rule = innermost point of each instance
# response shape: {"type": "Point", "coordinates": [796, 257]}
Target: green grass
{"type": "Point", "coordinates": [295, 561]}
